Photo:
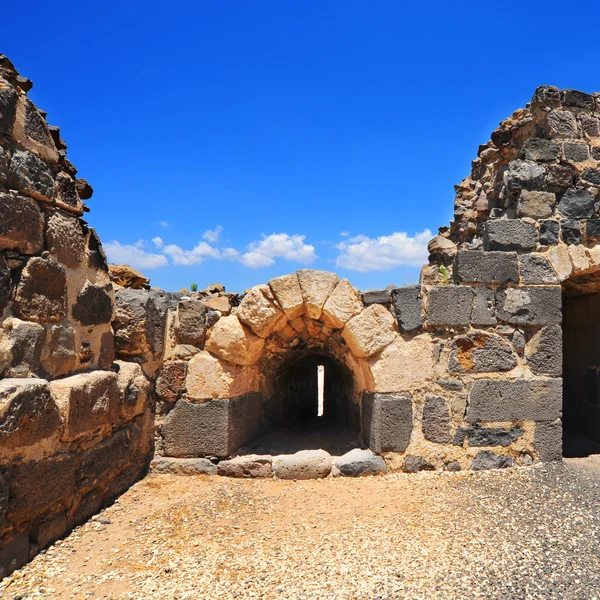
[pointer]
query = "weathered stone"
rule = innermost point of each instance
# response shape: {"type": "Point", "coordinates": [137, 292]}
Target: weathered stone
{"type": "Point", "coordinates": [94, 305]}
{"type": "Point", "coordinates": [234, 342]}
{"type": "Point", "coordinates": [41, 294]}
{"type": "Point", "coordinates": [436, 420]}
{"type": "Point", "coordinates": [66, 193]}
{"type": "Point", "coordinates": [481, 352]}
{"type": "Point", "coordinates": [28, 414]}
{"type": "Point", "coordinates": [536, 269]}
{"type": "Point", "coordinates": [474, 266]}
{"type": "Point", "coordinates": [387, 422]}
{"type": "Point", "coordinates": [478, 436]}
{"type": "Point", "coordinates": [449, 305]}
{"type": "Point", "coordinates": [170, 383]}
{"type": "Point", "coordinates": [84, 189]}
{"type": "Point", "coordinates": [530, 305]}
{"type": "Point", "coordinates": [134, 389]}
{"type": "Point", "coordinates": [127, 276]}
{"type": "Point", "coordinates": [577, 204]}
{"type": "Point", "coordinates": [540, 150]}
{"type": "Point", "coordinates": [548, 233]}
{"type": "Point", "coordinates": [21, 224]}
{"type": "Point", "coordinates": [184, 466]}
{"type": "Point", "coordinates": [441, 249]}
{"type": "Point", "coordinates": [560, 261]}
{"type": "Point", "coordinates": [453, 466]}
{"type": "Point", "coordinates": [484, 307]}
{"type": "Point", "coordinates": [316, 288]}
{"type": "Point", "coordinates": [407, 304]}
{"type": "Point", "coordinates": [488, 460]}
{"type": "Point", "coordinates": [376, 297]}
{"type": "Point", "coordinates": [561, 124]}
{"type": "Point", "coordinates": [570, 231]}
{"type": "Point", "coordinates": [544, 352]}
{"type": "Point", "coordinates": [414, 464]}
{"type": "Point", "coordinates": [8, 106]}
{"type": "Point", "coordinates": [289, 295]}
{"type": "Point", "coordinates": [58, 354]}
{"type": "Point", "coordinates": [590, 125]}
{"type": "Point", "coordinates": [535, 400]}
{"type": "Point", "coordinates": [403, 365]}
{"type": "Point", "coordinates": [454, 385]}
{"type": "Point", "coordinates": [305, 464]}
{"type": "Point", "coordinates": [537, 205]}
{"type": "Point", "coordinates": [96, 254]}
{"type": "Point", "coordinates": [343, 304]}
{"type": "Point", "coordinates": [509, 234]}
{"type": "Point", "coordinates": [221, 304]}
{"type": "Point", "coordinates": [49, 531]}
{"type": "Point", "coordinates": [579, 258]}
{"type": "Point", "coordinates": [592, 229]}
{"type": "Point", "coordinates": [194, 319]}
{"type": "Point", "coordinates": [65, 236]}
{"type": "Point", "coordinates": [578, 99]}
{"type": "Point", "coordinates": [370, 332]}
{"type": "Point", "coordinates": [4, 163]}
{"type": "Point", "coordinates": [249, 466]}
{"type": "Point", "coordinates": [259, 311]}
{"type": "Point", "coordinates": [209, 378]}
{"type": "Point", "coordinates": [524, 175]}
{"type": "Point", "coordinates": [14, 553]}
{"type": "Point", "coordinates": [30, 175]}
{"type": "Point", "coordinates": [39, 486]}
{"type": "Point", "coordinates": [106, 354]}
{"type": "Point", "coordinates": [20, 348]}
{"type": "Point", "coordinates": [31, 131]}
{"type": "Point", "coordinates": [559, 177]}
{"type": "Point", "coordinates": [357, 463]}
{"type": "Point", "coordinates": [576, 151]}
{"type": "Point", "coordinates": [548, 440]}
{"type": "Point", "coordinates": [87, 402]}
{"type": "Point", "coordinates": [546, 96]}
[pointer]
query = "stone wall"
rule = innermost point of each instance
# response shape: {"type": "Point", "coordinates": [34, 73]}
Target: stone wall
{"type": "Point", "coordinates": [75, 428]}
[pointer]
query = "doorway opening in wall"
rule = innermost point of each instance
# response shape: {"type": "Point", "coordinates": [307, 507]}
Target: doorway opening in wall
{"type": "Point", "coordinates": [313, 405]}
{"type": "Point", "coordinates": [581, 366]}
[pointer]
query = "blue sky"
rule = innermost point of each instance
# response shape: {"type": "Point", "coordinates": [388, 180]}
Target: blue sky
{"type": "Point", "coordinates": [236, 141]}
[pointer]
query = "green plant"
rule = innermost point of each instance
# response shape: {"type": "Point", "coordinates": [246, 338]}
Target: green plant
{"type": "Point", "coordinates": [445, 275]}
{"type": "Point", "coordinates": [194, 287]}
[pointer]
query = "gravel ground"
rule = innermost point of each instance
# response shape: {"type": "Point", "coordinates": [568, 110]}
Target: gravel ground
{"type": "Point", "coordinates": [518, 533]}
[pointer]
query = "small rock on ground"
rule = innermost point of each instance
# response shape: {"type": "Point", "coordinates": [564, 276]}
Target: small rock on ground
{"type": "Point", "coordinates": [359, 462]}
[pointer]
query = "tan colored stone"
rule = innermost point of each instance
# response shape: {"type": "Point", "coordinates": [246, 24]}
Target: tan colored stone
{"type": "Point", "coordinates": [594, 255]}
{"type": "Point", "coordinates": [316, 288]}
{"type": "Point", "coordinates": [403, 365]}
{"type": "Point", "coordinates": [260, 313]}
{"type": "Point", "coordinates": [127, 276]}
{"type": "Point", "coordinates": [579, 258]}
{"type": "Point", "coordinates": [289, 295]}
{"type": "Point", "coordinates": [134, 389]}
{"type": "Point", "coordinates": [561, 263]}
{"type": "Point", "coordinates": [370, 331]}
{"type": "Point", "coordinates": [209, 378]}
{"type": "Point", "coordinates": [220, 303]}
{"type": "Point", "coordinates": [234, 342]}
{"type": "Point", "coordinates": [343, 304]}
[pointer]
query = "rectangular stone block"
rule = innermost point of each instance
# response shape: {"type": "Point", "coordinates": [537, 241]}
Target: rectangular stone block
{"type": "Point", "coordinates": [407, 304]}
{"type": "Point", "coordinates": [529, 305]}
{"type": "Point", "coordinates": [509, 234]}
{"type": "Point", "coordinates": [472, 266]}
{"type": "Point", "coordinates": [496, 400]}
{"type": "Point", "coordinates": [245, 420]}
{"type": "Point", "coordinates": [484, 307]}
{"type": "Point", "coordinates": [449, 305]}
{"type": "Point", "coordinates": [86, 402]}
{"type": "Point", "coordinates": [548, 440]}
{"type": "Point", "coordinates": [376, 297]}
{"type": "Point", "coordinates": [387, 422]}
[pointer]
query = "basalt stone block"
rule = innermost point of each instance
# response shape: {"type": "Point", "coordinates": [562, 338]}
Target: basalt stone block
{"type": "Point", "coordinates": [170, 383]}
{"type": "Point", "coordinates": [547, 440]}
{"type": "Point", "coordinates": [488, 460]}
{"type": "Point", "coordinates": [106, 356]}
{"type": "Point", "coordinates": [407, 304]}
{"type": "Point", "coordinates": [540, 150]}
{"type": "Point", "coordinates": [536, 204]}
{"type": "Point", "coordinates": [8, 106]}
{"type": "Point", "coordinates": [30, 175]}
{"type": "Point", "coordinates": [484, 307]}
{"type": "Point", "coordinates": [194, 319]}
{"type": "Point", "coordinates": [186, 466]}
{"type": "Point", "coordinates": [536, 269]}
{"type": "Point", "coordinates": [245, 419]}
{"type": "Point", "coordinates": [481, 352]}
{"type": "Point", "coordinates": [251, 466]}
{"type": "Point", "coordinates": [570, 230]}
{"type": "Point", "coordinates": [561, 124]}
{"type": "Point", "coordinates": [4, 163]}
{"type": "Point", "coordinates": [41, 294]}
{"type": "Point", "coordinates": [97, 257]}
{"type": "Point", "coordinates": [578, 99]}
{"type": "Point", "coordinates": [590, 125]}
{"type": "Point", "coordinates": [591, 175]}
{"type": "Point", "coordinates": [66, 192]}
{"type": "Point", "coordinates": [387, 422]}
{"type": "Point", "coordinates": [509, 234]}
{"type": "Point", "coordinates": [474, 266]}
{"type": "Point", "coordinates": [28, 414]}
{"type": "Point", "coordinates": [546, 95]}
{"type": "Point", "coordinates": [559, 177]}
{"type": "Point", "coordinates": [87, 402]}
{"type": "Point", "coordinates": [524, 175]}
{"type": "Point", "coordinates": [496, 400]}
{"type": "Point", "coordinates": [376, 297]}
{"type": "Point", "coordinates": [58, 354]}
{"type": "Point", "coordinates": [357, 463]}
{"type": "Point", "coordinates": [21, 348]}
{"type": "Point", "coordinates": [576, 204]}
{"type": "Point", "coordinates": [529, 305]}
{"type": "Point", "coordinates": [592, 229]}
{"type": "Point", "coordinates": [549, 233]}
{"type": "Point", "coordinates": [576, 151]}
{"type": "Point", "coordinates": [93, 305]}
{"type": "Point", "coordinates": [544, 352]}
{"type": "Point", "coordinates": [450, 305]}
{"type": "Point", "coordinates": [436, 420]}
{"type": "Point", "coordinates": [14, 554]}
{"type": "Point", "coordinates": [65, 236]}
{"type": "Point", "coordinates": [414, 464]}
{"type": "Point", "coordinates": [478, 436]}
{"type": "Point", "coordinates": [21, 224]}
{"type": "Point", "coordinates": [39, 486]}
{"type": "Point", "coordinates": [305, 464]}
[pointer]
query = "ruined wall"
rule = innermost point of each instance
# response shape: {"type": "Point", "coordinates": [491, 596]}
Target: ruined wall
{"type": "Point", "coordinates": [74, 428]}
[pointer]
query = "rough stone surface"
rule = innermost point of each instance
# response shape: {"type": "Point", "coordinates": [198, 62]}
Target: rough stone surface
{"type": "Point", "coordinates": [407, 304]}
{"type": "Point", "coordinates": [343, 304]}
{"type": "Point", "coordinates": [387, 422]}
{"type": "Point", "coordinates": [570, 231]}
{"type": "Point", "coordinates": [21, 224]}
{"type": "Point", "coordinates": [134, 390]}
{"type": "Point", "coordinates": [94, 306]}
{"type": "Point", "coordinates": [370, 332]}
{"type": "Point", "coordinates": [64, 237]}
{"type": "Point", "coordinates": [376, 297]}
{"type": "Point", "coordinates": [486, 267]}
{"type": "Point", "coordinates": [478, 436]}
{"type": "Point", "coordinates": [289, 295]}
{"type": "Point", "coordinates": [481, 352]}
{"type": "Point", "coordinates": [509, 234]}
{"type": "Point", "coordinates": [247, 466]}
{"type": "Point", "coordinates": [183, 466]}
{"type": "Point", "coordinates": [21, 345]}
{"type": "Point", "coordinates": [15, 553]}
{"type": "Point", "coordinates": [193, 320]}
{"type": "Point", "coordinates": [234, 342]}
{"type": "Point", "coordinates": [536, 400]}
{"type": "Point", "coordinates": [305, 464]}
{"type": "Point", "coordinates": [30, 175]}
{"type": "Point", "coordinates": [560, 261]}
{"type": "Point", "coordinates": [488, 460]}
{"type": "Point", "coordinates": [316, 288]}
{"type": "Point", "coordinates": [357, 463]}
{"type": "Point", "coordinates": [548, 232]}
{"type": "Point", "coordinates": [561, 124]}
{"type": "Point", "coordinates": [449, 305]}
{"type": "Point", "coordinates": [126, 276]}
{"type": "Point", "coordinates": [536, 269]}
{"type": "Point", "coordinates": [540, 150]}
{"type": "Point", "coordinates": [548, 440]}
{"type": "Point", "coordinates": [524, 175]}
{"type": "Point", "coordinates": [436, 420]}
{"type": "Point", "coordinates": [484, 307]}
{"type": "Point", "coordinates": [532, 305]}
{"type": "Point", "coordinates": [49, 531]}
{"type": "Point", "coordinates": [170, 383]}
{"type": "Point", "coordinates": [576, 204]}
{"type": "Point", "coordinates": [259, 311]}
{"type": "Point", "coordinates": [535, 204]}
{"type": "Point", "coordinates": [58, 354]}
{"type": "Point", "coordinates": [576, 151]}
{"type": "Point", "coordinates": [544, 352]}
{"type": "Point", "coordinates": [414, 464]}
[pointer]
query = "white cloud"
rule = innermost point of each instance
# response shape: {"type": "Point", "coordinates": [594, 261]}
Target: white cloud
{"type": "Point", "coordinates": [195, 256]}
{"type": "Point", "coordinates": [278, 245]}
{"type": "Point", "coordinates": [164, 223]}
{"type": "Point", "coordinates": [345, 233]}
{"type": "Point", "coordinates": [157, 241]}
{"type": "Point", "coordinates": [362, 253]}
{"type": "Point", "coordinates": [212, 235]}
{"type": "Point", "coordinates": [134, 255]}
